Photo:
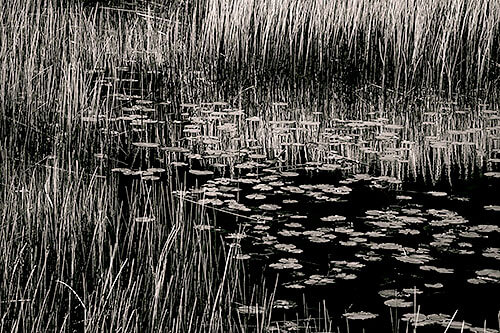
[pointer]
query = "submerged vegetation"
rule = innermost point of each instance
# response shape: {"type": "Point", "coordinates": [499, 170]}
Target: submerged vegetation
{"type": "Point", "coordinates": [148, 148]}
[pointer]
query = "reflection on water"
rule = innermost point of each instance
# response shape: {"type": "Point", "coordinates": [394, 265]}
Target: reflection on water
{"type": "Point", "coordinates": [366, 205]}
{"type": "Point", "coordinates": [361, 235]}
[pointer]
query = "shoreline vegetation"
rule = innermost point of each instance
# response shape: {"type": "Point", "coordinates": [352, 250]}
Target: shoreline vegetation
{"type": "Point", "coordinates": [82, 251]}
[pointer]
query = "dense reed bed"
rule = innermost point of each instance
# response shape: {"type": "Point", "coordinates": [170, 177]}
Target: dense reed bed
{"type": "Point", "coordinates": [447, 45]}
{"type": "Point", "coordinates": [78, 257]}
{"type": "Point", "coordinates": [71, 262]}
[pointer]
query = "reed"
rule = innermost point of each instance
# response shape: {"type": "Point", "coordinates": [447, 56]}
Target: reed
{"type": "Point", "coordinates": [72, 262]}
{"type": "Point", "coordinates": [447, 45]}
{"type": "Point", "coordinates": [80, 254]}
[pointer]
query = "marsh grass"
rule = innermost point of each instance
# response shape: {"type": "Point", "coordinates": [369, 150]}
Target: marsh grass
{"type": "Point", "coordinates": [447, 45]}
{"type": "Point", "coordinates": [75, 256]}
{"type": "Point", "coordinates": [72, 262]}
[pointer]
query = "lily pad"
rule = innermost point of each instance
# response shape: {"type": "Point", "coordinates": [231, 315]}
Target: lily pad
{"type": "Point", "coordinates": [360, 315]}
{"type": "Point", "coordinates": [398, 303]}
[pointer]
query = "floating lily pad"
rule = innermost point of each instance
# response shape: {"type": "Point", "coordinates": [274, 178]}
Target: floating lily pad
{"type": "Point", "coordinates": [289, 174]}
{"type": "Point", "coordinates": [398, 303]}
{"type": "Point", "coordinates": [319, 280]}
{"type": "Point", "coordinates": [255, 196]}
{"type": "Point", "coordinates": [291, 248]}
{"type": "Point", "coordinates": [476, 281]}
{"type": "Point", "coordinates": [333, 218]}
{"type": "Point", "coordinates": [284, 304]}
{"type": "Point", "coordinates": [437, 194]}
{"type": "Point", "coordinates": [492, 174]}
{"type": "Point", "coordinates": [437, 269]}
{"type": "Point", "coordinates": [232, 204]}
{"type": "Point", "coordinates": [250, 309]}
{"type": "Point", "coordinates": [490, 273]}
{"type": "Point", "coordinates": [146, 144]}
{"type": "Point", "coordinates": [360, 315]}
{"type": "Point", "coordinates": [286, 263]}
{"type": "Point", "coordinates": [294, 285]}
{"type": "Point", "coordinates": [262, 187]}
{"type": "Point", "coordinates": [178, 164]}
{"type": "Point", "coordinates": [492, 252]}
{"type": "Point", "coordinates": [493, 208]}
{"type": "Point", "coordinates": [293, 225]}
{"type": "Point", "coordinates": [417, 259]}
{"type": "Point", "coordinates": [390, 293]}
{"type": "Point", "coordinates": [242, 256]}
{"type": "Point", "coordinates": [270, 207]}
{"type": "Point", "coordinates": [318, 239]}
{"type": "Point", "coordinates": [290, 201]}
{"type": "Point", "coordinates": [289, 233]}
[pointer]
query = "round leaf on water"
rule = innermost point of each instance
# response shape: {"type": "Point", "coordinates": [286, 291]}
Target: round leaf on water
{"type": "Point", "coordinates": [360, 315]}
{"type": "Point", "coordinates": [201, 172]}
{"type": "Point", "coordinates": [398, 303]}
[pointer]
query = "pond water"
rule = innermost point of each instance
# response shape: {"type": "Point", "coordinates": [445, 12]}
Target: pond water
{"type": "Point", "coordinates": [383, 211]}
{"type": "Point", "coordinates": [364, 244]}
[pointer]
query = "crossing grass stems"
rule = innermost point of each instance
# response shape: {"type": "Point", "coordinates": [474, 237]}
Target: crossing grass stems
{"type": "Point", "coordinates": [70, 260]}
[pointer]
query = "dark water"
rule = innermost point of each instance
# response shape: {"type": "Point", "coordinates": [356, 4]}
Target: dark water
{"type": "Point", "coordinates": [354, 206]}
{"type": "Point", "coordinates": [451, 231]}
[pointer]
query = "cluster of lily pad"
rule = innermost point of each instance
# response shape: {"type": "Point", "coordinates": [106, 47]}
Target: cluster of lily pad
{"type": "Point", "coordinates": [241, 157]}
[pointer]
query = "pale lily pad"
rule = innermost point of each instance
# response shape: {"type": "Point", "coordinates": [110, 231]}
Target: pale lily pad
{"type": "Point", "coordinates": [255, 196]}
{"type": "Point", "coordinates": [333, 218]}
{"type": "Point", "coordinates": [146, 144]}
{"type": "Point", "coordinates": [360, 315]}
{"type": "Point", "coordinates": [492, 174]}
{"type": "Point", "coordinates": [476, 281]}
{"type": "Point", "coordinates": [417, 259]}
{"type": "Point", "coordinates": [289, 233]}
{"type": "Point", "coordinates": [242, 256]}
{"type": "Point", "coordinates": [286, 263]}
{"type": "Point", "coordinates": [434, 285]}
{"type": "Point", "coordinates": [490, 273]}
{"type": "Point", "coordinates": [284, 304]}
{"type": "Point", "coordinates": [319, 280]}
{"type": "Point", "coordinates": [232, 204]}
{"type": "Point", "coordinates": [203, 227]}
{"type": "Point", "coordinates": [270, 207]}
{"type": "Point", "coordinates": [201, 172]}
{"type": "Point", "coordinates": [316, 239]}
{"type": "Point", "coordinates": [398, 303]}
{"type": "Point", "coordinates": [290, 201]}
{"type": "Point", "coordinates": [293, 225]}
{"type": "Point", "coordinates": [492, 252]}
{"type": "Point", "coordinates": [262, 187]}
{"type": "Point", "coordinates": [236, 236]}
{"type": "Point", "coordinates": [494, 208]}
{"type": "Point", "coordinates": [390, 293]}
{"type": "Point", "coordinates": [288, 248]}
{"type": "Point", "coordinates": [440, 270]}
{"type": "Point", "coordinates": [437, 194]}
{"type": "Point", "coordinates": [289, 174]}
